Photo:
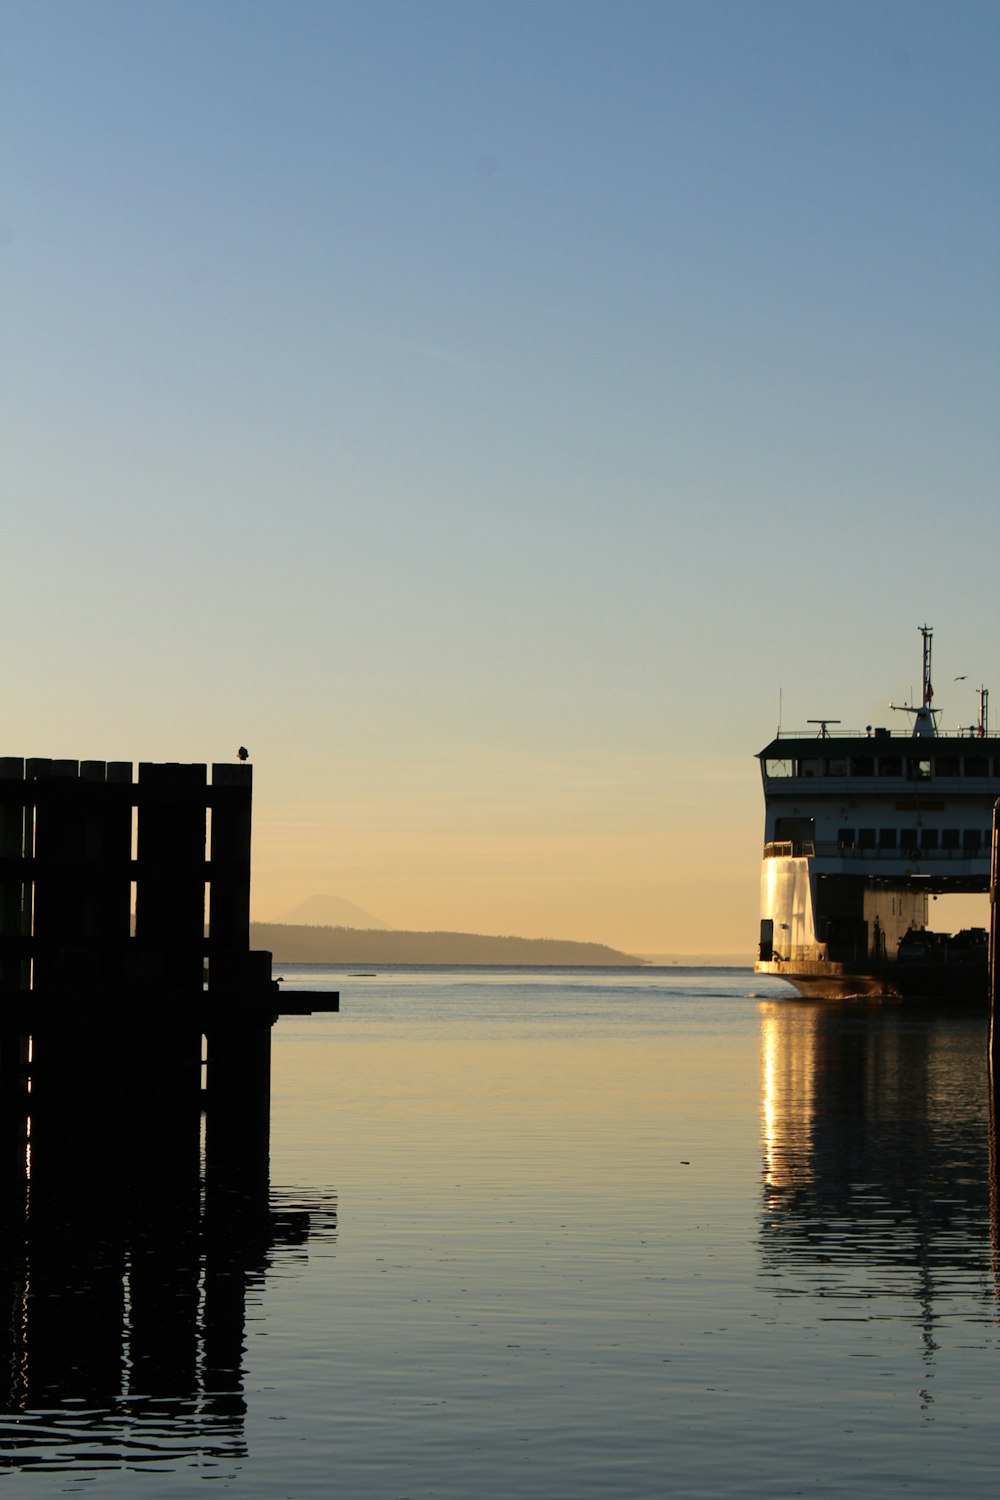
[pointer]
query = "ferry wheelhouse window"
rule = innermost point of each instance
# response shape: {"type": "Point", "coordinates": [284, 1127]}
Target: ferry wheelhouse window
{"type": "Point", "coordinates": [928, 838]}
{"type": "Point", "coordinates": [970, 839]}
{"type": "Point", "coordinates": [918, 770]}
{"type": "Point", "coordinates": [795, 831]}
{"type": "Point", "coordinates": [977, 765]}
{"type": "Point", "coordinates": [950, 838]}
{"type": "Point", "coordinates": [836, 765]}
{"type": "Point", "coordinates": [811, 765]}
{"type": "Point", "coordinates": [866, 838]}
{"type": "Point", "coordinates": [774, 768]}
{"type": "Point", "coordinates": [887, 838]}
{"type": "Point", "coordinates": [907, 838]}
{"type": "Point", "coordinates": [890, 765]}
{"type": "Point", "coordinates": [947, 765]}
{"type": "Point", "coordinates": [862, 765]}
{"type": "Point", "coordinates": [845, 838]}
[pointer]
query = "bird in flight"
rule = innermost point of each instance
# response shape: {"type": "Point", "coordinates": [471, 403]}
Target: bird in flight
{"type": "Point", "coordinates": [243, 753]}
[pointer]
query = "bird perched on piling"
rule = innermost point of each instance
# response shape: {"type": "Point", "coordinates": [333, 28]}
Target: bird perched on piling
{"type": "Point", "coordinates": [243, 753]}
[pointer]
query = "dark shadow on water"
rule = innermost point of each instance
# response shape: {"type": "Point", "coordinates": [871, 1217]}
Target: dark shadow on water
{"type": "Point", "coordinates": [879, 1173]}
{"type": "Point", "coordinates": [133, 1233]}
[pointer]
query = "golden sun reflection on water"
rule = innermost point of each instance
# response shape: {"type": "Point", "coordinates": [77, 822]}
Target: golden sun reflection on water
{"type": "Point", "coordinates": [788, 1064]}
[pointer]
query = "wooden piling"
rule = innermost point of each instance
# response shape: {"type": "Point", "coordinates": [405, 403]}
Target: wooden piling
{"type": "Point", "coordinates": [170, 876]}
{"type": "Point", "coordinates": [13, 967]}
{"type": "Point", "coordinates": [229, 878]}
{"type": "Point", "coordinates": [238, 1109]}
{"type": "Point", "coordinates": [994, 954]}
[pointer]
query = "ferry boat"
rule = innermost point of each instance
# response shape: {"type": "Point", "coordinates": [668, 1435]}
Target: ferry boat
{"type": "Point", "coordinates": [862, 829]}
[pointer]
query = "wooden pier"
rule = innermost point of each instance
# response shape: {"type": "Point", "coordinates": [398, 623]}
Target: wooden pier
{"type": "Point", "coordinates": [135, 1054]}
{"type": "Point", "coordinates": [174, 992]}
{"type": "Point", "coordinates": [83, 846]}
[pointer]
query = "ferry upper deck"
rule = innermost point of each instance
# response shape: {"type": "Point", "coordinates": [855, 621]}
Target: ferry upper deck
{"type": "Point", "coordinates": [891, 805]}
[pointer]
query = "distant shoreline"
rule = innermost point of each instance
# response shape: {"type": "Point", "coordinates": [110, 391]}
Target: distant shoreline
{"type": "Point", "coordinates": [699, 960]}
{"type": "Point", "coordinates": [357, 945]}
{"type": "Point", "coordinates": [301, 943]}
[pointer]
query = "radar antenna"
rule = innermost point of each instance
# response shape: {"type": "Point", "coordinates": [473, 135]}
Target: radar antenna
{"type": "Point", "coordinates": [925, 717]}
{"type": "Point", "coordinates": [824, 733]}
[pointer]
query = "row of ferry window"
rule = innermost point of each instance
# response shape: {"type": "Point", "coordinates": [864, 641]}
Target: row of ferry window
{"type": "Point", "coordinates": [915, 768]}
{"type": "Point", "coordinates": [969, 839]}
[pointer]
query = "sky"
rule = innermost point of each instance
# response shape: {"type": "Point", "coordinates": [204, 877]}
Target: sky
{"type": "Point", "coordinates": [494, 414]}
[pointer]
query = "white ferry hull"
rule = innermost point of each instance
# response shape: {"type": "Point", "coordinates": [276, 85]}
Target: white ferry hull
{"type": "Point", "coordinates": [827, 979]}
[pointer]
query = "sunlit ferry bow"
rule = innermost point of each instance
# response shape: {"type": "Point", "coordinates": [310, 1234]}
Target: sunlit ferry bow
{"type": "Point", "coordinates": [861, 829]}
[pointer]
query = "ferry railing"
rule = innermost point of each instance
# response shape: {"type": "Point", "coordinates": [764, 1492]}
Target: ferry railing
{"type": "Point", "coordinates": [911, 853]}
{"type": "Point", "coordinates": [924, 772]}
{"type": "Point", "coordinates": [931, 947]}
{"type": "Point", "coordinates": [792, 849]}
{"type": "Point", "coordinates": [879, 734]}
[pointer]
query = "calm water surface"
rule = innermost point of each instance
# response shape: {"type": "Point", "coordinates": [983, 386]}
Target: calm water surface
{"type": "Point", "coordinates": [553, 1234]}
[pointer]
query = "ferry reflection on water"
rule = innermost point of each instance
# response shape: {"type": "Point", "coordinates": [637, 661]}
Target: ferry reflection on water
{"type": "Point", "coordinates": [879, 1170]}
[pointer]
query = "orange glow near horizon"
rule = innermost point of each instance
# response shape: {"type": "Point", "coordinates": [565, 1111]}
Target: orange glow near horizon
{"type": "Point", "coordinates": [647, 854]}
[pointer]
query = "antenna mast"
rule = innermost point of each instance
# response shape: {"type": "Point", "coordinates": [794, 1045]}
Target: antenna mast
{"type": "Point", "coordinates": [927, 631]}
{"type": "Point", "coordinates": [925, 717]}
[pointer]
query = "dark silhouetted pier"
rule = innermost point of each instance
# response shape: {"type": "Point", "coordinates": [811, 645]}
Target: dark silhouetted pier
{"type": "Point", "coordinates": [83, 846]}
{"type": "Point", "coordinates": [120, 1039]}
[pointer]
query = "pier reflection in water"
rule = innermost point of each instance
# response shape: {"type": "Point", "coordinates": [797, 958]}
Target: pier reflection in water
{"type": "Point", "coordinates": [131, 1243]}
{"type": "Point", "coordinates": [877, 1166]}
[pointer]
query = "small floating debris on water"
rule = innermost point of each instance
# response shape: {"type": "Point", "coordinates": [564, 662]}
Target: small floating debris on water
{"type": "Point", "coordinates": [364, 975]}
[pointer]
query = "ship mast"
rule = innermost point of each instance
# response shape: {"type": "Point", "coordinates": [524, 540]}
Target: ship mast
{"type": "Point", "coordinates": [927, 631]}
{"type": "Point", "coordinates": [924, 717]}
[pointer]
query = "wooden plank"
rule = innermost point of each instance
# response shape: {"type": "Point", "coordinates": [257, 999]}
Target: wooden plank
{"type": "Point", "coordinates": [229, 889]}
{"type": "Point", "coordinates": [170, 875]}
{"type": "Point", "coordinates": [107, 900]}
{"type": "Point", "coordinates": [12, 968]}
{"type": "Point", "coordinates": [994, 948]}
{"type": "Point", "coordinates": [59, 877]}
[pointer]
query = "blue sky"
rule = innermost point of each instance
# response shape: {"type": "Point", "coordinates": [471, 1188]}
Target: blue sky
{"type": "Point", "coordinates": [483, 410]}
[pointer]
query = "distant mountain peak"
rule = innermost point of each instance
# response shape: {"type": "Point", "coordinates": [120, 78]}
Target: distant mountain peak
{"type": "Point", "coordinates": [331, 911]}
